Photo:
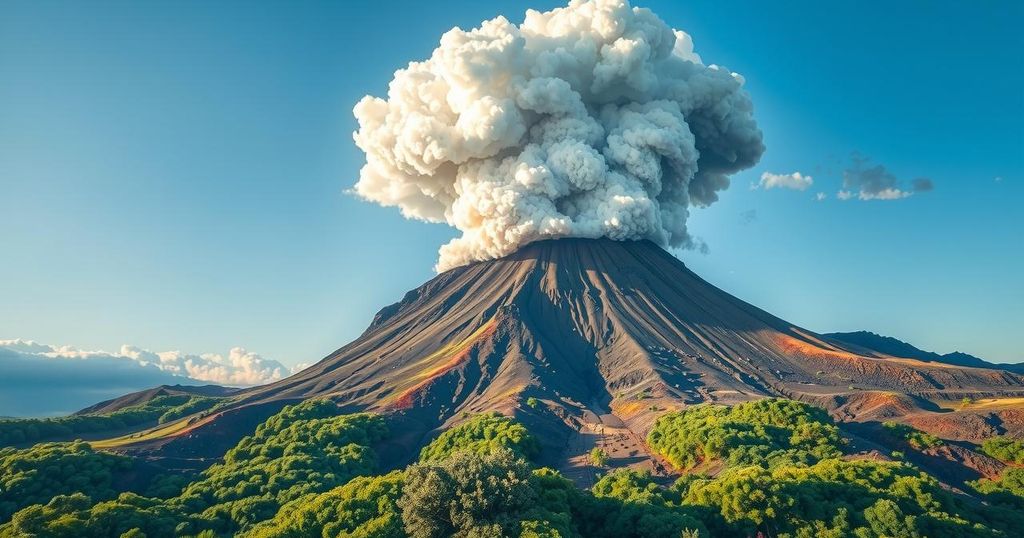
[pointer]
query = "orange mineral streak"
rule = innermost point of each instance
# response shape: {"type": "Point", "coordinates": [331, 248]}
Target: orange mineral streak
{"type": "Point", "coordinates": [456, 354]}
{"type": "Point", "coordinates": [795, 346]}
{"type": "Point", "coordinates": [823, 350]}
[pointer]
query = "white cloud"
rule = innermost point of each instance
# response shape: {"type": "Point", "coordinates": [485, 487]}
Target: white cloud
{"type": "Point", "coordinates": [884, 194]}
{"type": "Point", "coordinates": [795, 181]}
{"type": "Point", "coordinates": [844, 195]}
{"type": "Point", "coordinates": [238, 368]}
{"type": "Point", "coordinates": [820, 197]}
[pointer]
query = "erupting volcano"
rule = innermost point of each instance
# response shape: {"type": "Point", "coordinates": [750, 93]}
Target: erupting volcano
{"type": "Point", "coordinates": [570, 333]}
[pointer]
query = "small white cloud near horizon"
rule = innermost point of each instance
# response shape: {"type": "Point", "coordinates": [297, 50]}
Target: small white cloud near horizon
{"type": "Point", "coordinates": [820, 197]}
{"type": "Point", "coordinates": [844, 195]}
{"type": "Point", "coordinates": [239, 368]}
{"type": "Point", "coordinates": [795, 181]}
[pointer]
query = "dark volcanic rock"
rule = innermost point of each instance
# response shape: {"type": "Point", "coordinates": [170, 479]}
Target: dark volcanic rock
{"type": "Point", "coordinates": [592, 328]}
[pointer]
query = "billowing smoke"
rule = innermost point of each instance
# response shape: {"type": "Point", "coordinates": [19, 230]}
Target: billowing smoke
{"type": "Point", "coordinates": [593, 120]}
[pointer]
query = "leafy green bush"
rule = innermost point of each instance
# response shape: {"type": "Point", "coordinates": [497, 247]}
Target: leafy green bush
{"type": "Point", "coordinates": [36, 475]}
{"type": "Point", "coordinates": [913, 437]}
{"type": "Point", "coordinates": [487, 493]}
{"type": "Point", "coordinates": [764, 432]}
{"type": "Point", "coordinates": [482, 434]}
{"type": "Point", "coordinates": [1011, 482]}
{"type": "Point", "coordinates": [1005, 449]}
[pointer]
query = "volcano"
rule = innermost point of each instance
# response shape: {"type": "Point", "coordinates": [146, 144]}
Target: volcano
{"type": "Point", "coordinates": [572, 334]}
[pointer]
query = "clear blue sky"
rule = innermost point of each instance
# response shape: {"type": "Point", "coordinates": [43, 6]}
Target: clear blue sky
{"type": "Point", "coordinates": [172, 173]}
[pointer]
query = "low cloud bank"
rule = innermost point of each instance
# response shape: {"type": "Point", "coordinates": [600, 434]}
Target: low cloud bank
{"type": "Point", "coordinates": [43, 380]}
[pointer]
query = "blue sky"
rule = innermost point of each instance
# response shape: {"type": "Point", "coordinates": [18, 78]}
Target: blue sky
{"type": "Point", "coordinates": [172, 175]}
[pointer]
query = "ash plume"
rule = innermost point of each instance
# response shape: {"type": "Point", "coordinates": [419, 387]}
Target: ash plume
{"type": "Point", "coordinates": [592, 120]}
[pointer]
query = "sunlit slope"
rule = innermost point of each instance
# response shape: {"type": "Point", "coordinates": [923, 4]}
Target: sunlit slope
{"type": "Point", "coordinates": [591, 321]}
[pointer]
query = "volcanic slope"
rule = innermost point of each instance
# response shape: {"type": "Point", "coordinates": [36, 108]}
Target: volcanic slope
{"type": "Point", "coordinates": [597, 326]}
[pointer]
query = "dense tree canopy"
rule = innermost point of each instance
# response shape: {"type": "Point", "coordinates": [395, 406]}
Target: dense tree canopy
{"type": "Point", "coordinates": [835, 497]}
{"type": "Point", "coordinates": [762, 432]}
{"type": "Point", "coordinates": [305, 449]}
{"type": "Point", "coordinates": [366, 506]}
{"type": "Point", "coordinates": [36, 475]}
{"type": "Point", "coordinates": [308, 471]}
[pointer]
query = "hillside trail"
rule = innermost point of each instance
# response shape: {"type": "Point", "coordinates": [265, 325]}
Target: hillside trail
{"type": "Point", "coordinates": [625, 449]}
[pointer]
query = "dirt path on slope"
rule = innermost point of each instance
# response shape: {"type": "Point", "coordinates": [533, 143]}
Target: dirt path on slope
{"type": "Point", "coordinates": [609, 433]}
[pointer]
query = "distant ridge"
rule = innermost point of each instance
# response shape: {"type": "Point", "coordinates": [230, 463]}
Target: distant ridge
{"type": "Point", "coordinates": [143, 396]}
{"type": "Point", "coordinates": [898, 348]}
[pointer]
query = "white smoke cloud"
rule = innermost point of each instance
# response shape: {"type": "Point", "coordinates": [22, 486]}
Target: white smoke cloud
{"type": "Point", "coordinates": [238, 368]}
{"type": "Point", "coordinates": [593, 120]}
{"type": "Point", "coordinates": [795, 181]}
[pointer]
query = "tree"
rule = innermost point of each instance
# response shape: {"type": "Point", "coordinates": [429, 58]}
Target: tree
{"type": "Point", "coordinates": [886, 519]}
{"type": "Point", "coordinates": [478, 495]}
{"type": "Point", "coordinates": [598, 457]}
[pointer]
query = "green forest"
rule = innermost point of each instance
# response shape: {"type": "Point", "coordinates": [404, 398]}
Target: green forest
{"type": "Point", "coordinates": [780, 470]}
